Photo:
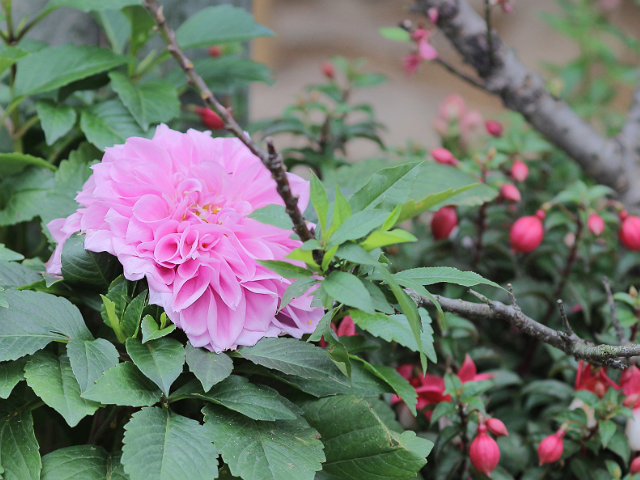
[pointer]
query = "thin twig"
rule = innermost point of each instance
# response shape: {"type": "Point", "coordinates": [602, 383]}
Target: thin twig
{"type": "Point", "coordinates": [467, 78]}
{"type": "Point", "coordinates": [487, 19]}
{"type": "Point", "coordinates": [512, 297]}
{"type": "Point", "coordinates": [565, 321]}
{"type": "Point", "coordinates": [612, 307]}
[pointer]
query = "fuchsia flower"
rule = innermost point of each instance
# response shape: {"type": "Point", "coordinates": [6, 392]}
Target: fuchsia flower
{"type": "Point", "coordinates": [497, 427]}
{"type": "Point", "coordinates": [443, 222]}
{"type": "Point", "coordinates": [411, 63]}
{"type": "Point", "coordinates": [443, 156]}
{"type": "Point", "coordinates": [519, 171]}
{"type": "Point", "coordinates": [550, 448]}
{"type": "Point", "coordinates": [593, 379]}
{"type": "Point", "coordinates": [433, 14]}
{"type": "Point", "coordinates": [527, 233]}
{"type": "Point", "coordinates": [629, 232]}
{"type": "Point", "coordinates": [174, 210]}
{"type": "Point", "coordinates": [494, 128]}
{"type": "Point", "coordinates": [425, 51]}
{"type": "Point", "coordinates": [484, 452]}
{"type": "Point", "coordinates": [455, 119]}
{"type": "Point", "coordinates": [595, 224]}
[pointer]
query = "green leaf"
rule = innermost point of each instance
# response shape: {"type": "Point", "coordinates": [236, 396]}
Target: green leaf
{"type": "Point", "coordinates": [272, 215]}
{"type": "Point", "coordinates": [14, 275]}
{"type": "Point", "coordinates": [319, 200]}
{"type": "Point", "coordinates": [258, 450]}
{"type": "Point", "coordinates": [413, 208]}
{"type": "Point", "coordinates": [55, 119]}
{"type": "Point", "coordinates": [395, 33]}
{"type": "Point", "coordinates": [296, 290]}
{"type": "Point", "coordinates": [81, 462]}
{"type": "Point", "coordinates": [341, 210]}
{"type": "Point", "coordinates": [348, 289]}
{"type": "Point", "coordinates": [619, 445]}
{"type": "Point", "coordinates": [10, 374]}
{"type": "Point", "coordinates": [607, 429]}
{"type": "Point", "coordinates": [225, 74]}
{"type": "Point", "coordinates": [124, 385]}
{"type": "Point", "coordinates": [396, 328]}
{"type": "Point", "coordinates": [142, 24]}
{"type": "Point", "coordinates": [443, 409]}
{"type": "Point", "coordinates": [359, 445]}
{"type": "Point", "coordinates": [397, 382]}
{"type": "Point", "coordinates": [151, 331]}
{"type": "Point", "coordinates": [52, 379]}
{"type": "Point", "coordinates": [19, 449]}
{"type": "Point", "coordinates": [85, 269]}
{"type": "Point", "coordinates": [8, 255]}
{"type": "Point", "coordinates": [149, 102]}
{"type": "Point", "coordinates": [431, 275]}
{"type": "Point", "coordinates": [217, 25]}
{"type": "Point", "coordinates": [108, 123]}
{"type": "Point", "coordinates": [160, 360]}
{"type": "Point", "coordinates": [287, 270]}
{"type": "Point", "coordinates": [236, 393]}
{"type": "Point", "coordinates": [208, 367]}
{"type": "Point", "coordinates": [33, 320]}
{"type": "Point", "coordinates": [55, 67]}
{"type": "Point", "coordinates": [24, 194]}
{"type": "Point", "coordinates": [90, 359]}
{"type": "Point", "coordinates": [133, 314]}
{"type": "Point", "coordinates": [9, 56]}
{"type": "Point", "coordinates": [383, 239]}
{"type": "Point", "coordinates": [93, 5]}
{"type": "Point", "coordinates": [162, 445]}
{"type": "Point", "coordinates": [14, 163]}
{"type": "Point", "coordinates": [358, 225]}
{"type": "Point", "coordinates": [390, 185]}
{"type": "Point", "coordinates": [356, 254]}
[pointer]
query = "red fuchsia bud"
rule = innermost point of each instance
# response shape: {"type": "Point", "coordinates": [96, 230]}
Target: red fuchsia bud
{"type": "Point", "coordinates": [328, 70]}
{"type": "Point", "coordinates": [519, 171]}
{"type": "Point", "coordinates": [214, 51]}
{"type": "Point", "coordinates": [635, 466]}
{"type": "Point", "coordinates": [432, 13]}
{"type": "Point", "coordinates": [347, 327]}
{"type": "Point", "coordinates": [510, 192]}
{"type": "Point", "coordinates": [631, 400]}
{"type": "Point", "coordinates": [595, 224]}
{"type": "Point", "coordinates": [629, 232]}
{"type": "Point", "coordinates": [484, 452]}
{"type": "Point", "coordinates": [496, 427]}
{"type": "Point", "coordinates": [527, 233]}
{"type": "Point", "coordinates": [443, 156]}
{"type": "Point", "coordinates": [443, 222]}
{"type": "Point", "coordinates": [551, 448]}
{"type": "Point", "coordinates": [210, 118]}
{"type": "Point", "coordinates": [493, 127]}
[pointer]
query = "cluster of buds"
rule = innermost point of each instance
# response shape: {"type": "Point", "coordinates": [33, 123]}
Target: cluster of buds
{"type": "Point", "coordinates": [423, 49]}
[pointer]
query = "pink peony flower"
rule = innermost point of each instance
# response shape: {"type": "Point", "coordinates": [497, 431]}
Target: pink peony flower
{"type": "Point", "coordinates": [174, 210]}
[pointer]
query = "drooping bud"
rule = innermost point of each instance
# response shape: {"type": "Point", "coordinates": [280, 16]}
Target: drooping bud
{"type": "Point", "coordinates": [443, 222]}
{"type": "Point", "coordinates": [510, 192]}
{"type": "Point", "coordinates": [493, 127]}
{"type": "Point", "coordinates": [629, 232]}
{"type": "Point", "coordinates": [432, 13]}
{"type": "Point", "coordinates": [551, 448]}
{"type": "Point", "coordinates": [595, 224]}
{"type": "Point", "coordinates": [443, 156]}
{"type": "Point", "coordinates": [519, 171]}
{"type": "Point", "coordinates": [496, 427]}
{"type": "Point", "coordinates": [484, 452]}
{"type": "Point", "coordinates": [527, 233]}
{"type": "Point", "coordinates": [328, 70]}
{"type": "Point", "coordinates": [214, 51]}
{"type": "Point", "coordinates": [635, 466]}
{"type": "Point", "coordinates": [210, 118]}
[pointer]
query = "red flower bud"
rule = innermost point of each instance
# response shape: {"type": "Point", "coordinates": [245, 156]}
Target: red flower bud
{"type": "Point", "coordinates": [443, 156]}
{"type": "Point", "coordinates": [527, 233]}
{"type": "Point", "coordinates": [519, 171]}
{"type": "Point", "coordinates": [510, 192]}
{"type": "Point", "coordinates": [629, 232]}
{"type": "Point", "coordinates": [631, 400]}
{"type": "Point", "coordinates": [214, 51]}
{"type": "Point", "coordinates": [210, 118]}
{"type": "Point", "coordinates": [328, 70]}
{"type": "Point", "coordinates": [493, 128]}
{"type": "Point", "coordinates": [347, 327]}
{"type": "Point", "coordinates": [551, 448]}
{"type": "Point", "coordinates": [484, 452]}
{"type": "Point", "coordinates": [496, 427]}
{"type": "Point", "coordinates": [443, 222]}
{"type": "Point", "coordinates": [635, 466]}
{"type": "Point", "coordinates": [595, 224]}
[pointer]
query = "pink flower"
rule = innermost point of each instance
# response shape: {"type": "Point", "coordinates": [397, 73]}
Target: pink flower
{"type": "Point", "coordinates": [550, 448]}
{"type": "Point", "coordinates": [510, 192]}
{"type": "Point", "coordinates": [443, 222]}
{"type": "Point", "coordinates": [433, 14]}
{"type": "Point", "coordinates": [484, 452]}
{"type": "Point", "coordinates": [452, 108]}
{"type": "Point", "coordinates": [629, 232]}
{"type": "Point", "coordinates": [527, 233]}
{"type": "Point", "coordinates": [328, 70]}
{"type": "Point", "coordinates": [443, 156]}
{"type": "Point", "coordinates": [496, 427]}
{"type": "Point", "coordinates": [593, 379]}
{"type": "Point", "coordinates": [411, 63]}
{"type": "Point", "coordinates": [174, 210]}
{"type": "Point", "coordinates": [493, 127]}
{"type": "Point", "coordinates": [209, 118]}
{"type": "Point", "coordinates": [595, 224]}
{"type": "Point", "coordinates": [469, 373]}
{"type": "Point", "coordinates": [519, 171]}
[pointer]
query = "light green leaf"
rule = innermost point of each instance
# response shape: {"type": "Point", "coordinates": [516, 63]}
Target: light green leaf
{"type": "Point", "coordinates": [395, 33]}
{"type": "Point", "coordinates": [151, 331]}
{"type": "Point", "coordinates": [413, 208]}
{"type": "Point", "coordinates": [14, 163]}
{"type": "Point", "coordinates": [52, 379]}
{"type": "Point", "coordinates": [93, 5]}
{"type": "Point", "coordinates": [431, 275]}
{"type": "Point", "coordinates": [162, 445]}
{"type": "Point", "coordinates": [287, 270]}
{"type": "Point", "coordinates": [341, 210]}
{"type": "Point", "coordinates": [272, 215]}
{"type": "Point", "coordinates": [319, 200]}
{"type": "Point", "coordinates": [9, 56]}
{"type": "Point", "coordinates": [606, 429]}
{"type": "Point", "coordinates": [10, 374]}
{"type": "Point", "coordinates": [81, 462]}
{"type": "Point", "coordinates": [348, 289]}
{"type": "Point", "coordinates": [90, 359]}
{"type": "Point", "coordinates": [296, 290]}
{"type": "Point", "coordinates": [124, 385]}
{"type": "Point", "coordinates": [160, 360]}
{"type": "Point", "coordinates": [384, 239]}
{"type": "Point", "coordinates": [356, 254]}
{"type": "Point", "coordinates": [55, 119]}
{"type": "Point", "coordinates": [85, 269]}
{"type": "Point", "coordinates": [208, 367]}
{"type": "Point", "coordinates": [257, 450]}
{"type": "Point", "coordinates": [217, 25]}
{"type": "Point", "coordinates": [55, 67]}
{"type": "Point", "coordinates": [358, 225]}
{"type": "Point", "coordinates": [8, 255]}
{"type": "Point", "coordinates": [19, 449]}
{"type": "Point", "coordinates": [390, 185]}
{"type": "Point", "coordinates": [108, 123]}
{"type": "Point", "coordinates": [24, 194]}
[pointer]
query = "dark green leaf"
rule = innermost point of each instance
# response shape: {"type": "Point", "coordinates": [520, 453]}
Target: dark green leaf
{"type": "Point", "coordinates": [319, 200]}
{"type": "Point", "coordinates": [14, 163]}
{"type": "Point", "coordinates": [7, 255]}
{"type": "Point", "coordinates": [90, 359]}
{"type": "Point", "coordinates": [108, 123]}
{"type": "Point", "coordinates": [85, 269]}
{"type": "Point", "coordinates": [619, 445]}
{"type": "Point", "coordinates": [55, 119]}
{"type": "Point", "coordinates": [443, 409]}
{"type": "Point", "coordinates": [391, 377]}
{"type": "Point", "coordinates": [208, 367]}
{"type": "Point", "coordinates": [124, 385]}
{"type": "Point", "coordinates": [81, 462]}
{"type": "Point", "coordinates": [296, 290]}
{"type": "Point", "coordinates": [19, 449]}
{"type": "Point", "coordinates": [160, 360]}
{"type": "Point", "coordinates": [606, 429]}
{"type": "Point", "coordinates": [348, 289]}
{"type": "Point", "coordinates": [14, 275]}
{"type": "Point", "coordinates": [24, 194]}
{"type": "Point", "coordinates": [356, 254]}
{"type": "Point", "coordinates": [431, 275]}
{"type": "Point", "coordinates": [10, 374]}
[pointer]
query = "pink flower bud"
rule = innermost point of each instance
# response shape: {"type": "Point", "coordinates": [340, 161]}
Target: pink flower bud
{"type": "Point", "coordinates": [527, 233]}
{"type": "Point", "coordinates": [443, 156]}
{"type": "Point", "coordinates": [210, 118]}
{"type": "Point", "coordinates": [595, 224]}
{"type": "Point", "coordinates": [631, 400]}
{"type": "Point", "coordinates": [214, 51]}
{"type": "Point", "coordinates": [451, 108]}
{"type": "Point", "coordinates": [433, 14]}
{"type": "Point", "coordinates": [635, 466]}
{"type": "Point", "coordinates": [519, 171]}
{"type": "Point", "coordinates": [443, 222]}
{"type": "Point", "coordinates": [484, 452]}
{"type": "Point", "coordinates": [328, 70]}
{"type": "Point", "coordinates": [493, 127]}
{"type": "Point", "coordinates": [551, 448]}
{"type": "Point", "coordinates": [347, 327]}
{"type": "Point", "coordinates": [411, 63]}
{"type": "Point", "coordinates": [510, 192]}
{"type": "Point", "coordinates": [629, 232]}
{"type": "Point", "coordinates": [496, 427]}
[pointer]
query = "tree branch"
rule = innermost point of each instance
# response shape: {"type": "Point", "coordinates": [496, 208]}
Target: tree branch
{"type": "Point", "coordinates": [271, 159]}
{"type": "Point", "coordinates": [569, 343]}
{"type": "Point", "coordinates": [524, 91]}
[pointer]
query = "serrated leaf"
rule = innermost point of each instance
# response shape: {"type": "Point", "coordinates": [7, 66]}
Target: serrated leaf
{"type": "Point", "coordinates": [160, 360]}
{"type": "Point", "coordinates": [606, 429]}
{"type": "Point", "coordinates": [391, 377]}
{"type": "Point", "coordinates": [10, 374]}
{"type": "Point", "coordinates": [90, 359]}
{"type": "Point", "coordinates": [163, 445]}
{"type": "Point", "coordinates": [85, 269]}
{"type": "Point", "coordinates": [431, 275]}
{"type": "Point", "coordinates": [24, 194]}
{"type": "Point", "coordinates": [124, 385]}
{"type": "Point", "coordinates": [296, 290]}
{"type": "Point", "coordinates": [19, 449]}
{"type": "Point", "coordinates": [287, 270]}
{"type": "Point", "coordinates": [208, 367]}
{"type": "Point", "coordinates": [55, 119]}
{"type": "Point", "coordinates": [348, 289]}
{"type": "Point", "coordinates": [109, 123]}
{"type": "Point", "coordinates": [358, 225]}
{"type": "Point", "coordinates": [391, 184]}
{"type": "Point", "coordinates": [80, 462]}
{"type": "Point", "coordinates": [257, 450]}
{"type": "Point", "coordinates": [151, 330]}
{"type": "Point", "coordinates": [14, 275]}
{"type": "Point", "coordinates": [52, 379]}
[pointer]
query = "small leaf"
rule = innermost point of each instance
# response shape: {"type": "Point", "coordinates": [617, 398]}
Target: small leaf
{"type": "Point", "coordinates": [208, 367]}
{"type": "Point", "coordinates": [319, 200]}
{"type": "Point", "coordinates": [395, 33]}
{"type": "Point", "coordinates": [90, 359]}
{"type": "Point", "coordinates": [383, 239]}
{"type": "Point", "coordinates": [124, 385]}
{"type": "Point", "coordinates": [160, 360]}
{"type": "Point", "coordinates": [348, 289]}
{"type": "Point", "coordinates": [391, 377]}
{"type": "Point", "coordinates": [296, 290]}
{"type": "Point", "coordinates": [151, 331]}
{"type": "Point", "coordinates": [431, 275]}
{"type": "Point", "coordinates": [271, 214]}
{"type": "Point", "coordinates": [356, 254]}
{"type": "Point", "coordinates": [56, 120]}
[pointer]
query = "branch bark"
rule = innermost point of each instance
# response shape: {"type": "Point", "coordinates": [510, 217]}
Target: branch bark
{"type": "Point", "coordinates": [612, 161]}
